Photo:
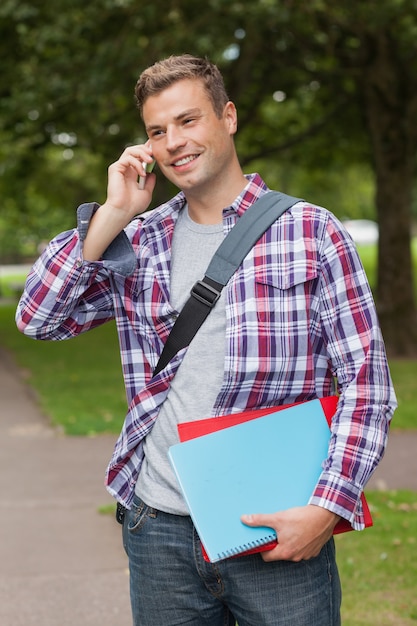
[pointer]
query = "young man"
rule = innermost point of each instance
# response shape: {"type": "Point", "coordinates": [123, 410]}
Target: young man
{"type": "Point", "coordinates": [296, 316]}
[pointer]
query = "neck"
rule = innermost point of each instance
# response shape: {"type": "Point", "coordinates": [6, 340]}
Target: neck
{"type": "Point", "coordinates": [206, 206]}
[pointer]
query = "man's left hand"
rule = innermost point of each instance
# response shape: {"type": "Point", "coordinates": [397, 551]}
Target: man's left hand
{"type": "Point", "coordinates": [301, 531]}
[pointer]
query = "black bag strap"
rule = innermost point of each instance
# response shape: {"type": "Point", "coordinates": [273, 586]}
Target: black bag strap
{"type": "Point", "coordinates": [227, 258]}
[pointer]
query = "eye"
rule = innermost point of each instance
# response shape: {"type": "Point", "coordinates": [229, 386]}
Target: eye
{"type": "Point", "coordinates": [156, 133]}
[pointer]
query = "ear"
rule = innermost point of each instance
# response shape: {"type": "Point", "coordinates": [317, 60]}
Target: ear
{"type": "Point", "coordinates": [230, 117]}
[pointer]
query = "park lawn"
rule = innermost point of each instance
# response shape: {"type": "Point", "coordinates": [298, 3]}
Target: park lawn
{"type": "Point", "coordinates": [378, 566]}
{"type": "Point", "coordinates": [79, 386]}
{"type": "Point", "coordinates": [79, 381]}
{"type": "Point", "coordinates": [369, 258]}
{"type": "Point", "coordinates": [404, 376]}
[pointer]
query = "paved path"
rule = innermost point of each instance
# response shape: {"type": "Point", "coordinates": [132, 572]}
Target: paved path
{"type": "Point", "coordinates": [61, 562]}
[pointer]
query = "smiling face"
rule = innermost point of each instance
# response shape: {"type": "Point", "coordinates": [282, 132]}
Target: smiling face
{"type": "Point", "coordinates": [192, 146]}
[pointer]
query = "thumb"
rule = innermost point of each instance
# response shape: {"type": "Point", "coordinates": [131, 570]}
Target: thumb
{"type": "Point", "coordinates": [259, 519]}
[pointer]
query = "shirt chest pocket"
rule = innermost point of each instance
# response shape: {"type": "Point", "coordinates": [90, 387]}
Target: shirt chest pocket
{"type": "Point", "coordinates": [284, 295]}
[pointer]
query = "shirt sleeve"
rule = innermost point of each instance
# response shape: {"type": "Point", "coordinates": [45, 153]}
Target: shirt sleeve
{"type": "Point", "coordinates": [65, 295]}
{"type": "Point", "coordinates": [358, 360]}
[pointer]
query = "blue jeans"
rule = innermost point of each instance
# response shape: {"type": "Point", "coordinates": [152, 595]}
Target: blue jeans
{"type": "Point", "coordinates": [171, 584]}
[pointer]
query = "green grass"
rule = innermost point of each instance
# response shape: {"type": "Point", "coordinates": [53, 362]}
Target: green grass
{"type": "Point", "coordinates": [78, 382]}
{"type": "Point", "coordinates": [8, 285]}
{"type": "Point", "coordinates": [369, 257]}
{"type": "Point", "coordinates": [404, 376]}
{"type": "Point", "coordinates": [107, 509]}
{"type": "Point", "coordinates": [378, 567]}
{"type": "Point", "coordinates": [368, 254]}
{"type": "Point", "coordinates": [80, 387]}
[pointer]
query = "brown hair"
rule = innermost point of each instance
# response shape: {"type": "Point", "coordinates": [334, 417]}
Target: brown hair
{"type": "Point", "coordinates": [164, 73]}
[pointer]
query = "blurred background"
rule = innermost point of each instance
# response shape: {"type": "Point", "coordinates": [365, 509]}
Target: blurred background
{"type": "Point", "coordinates": [326, 92]}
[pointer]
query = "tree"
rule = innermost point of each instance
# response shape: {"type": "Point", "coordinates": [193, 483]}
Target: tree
{"type": "Point", "coordinates": [318, 84]}
{"type": "Point", "coordinates": [374, 48]}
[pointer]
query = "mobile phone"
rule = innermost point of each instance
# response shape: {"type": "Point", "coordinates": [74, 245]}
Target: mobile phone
{"type": "Point", "coordinates": [148, 169]}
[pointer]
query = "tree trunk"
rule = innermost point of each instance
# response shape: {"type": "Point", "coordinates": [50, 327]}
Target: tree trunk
{"type": "Point", "coordinates": [391, 123]}
{"type": "Point", "coordinates": [395, 292]}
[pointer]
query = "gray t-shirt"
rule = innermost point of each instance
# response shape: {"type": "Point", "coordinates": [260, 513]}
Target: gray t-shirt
{"type": "Point", "coordinates": [197, 382]}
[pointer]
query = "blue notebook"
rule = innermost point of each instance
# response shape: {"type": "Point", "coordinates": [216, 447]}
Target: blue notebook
{"type": "Point", "coordinates": [265, 465]}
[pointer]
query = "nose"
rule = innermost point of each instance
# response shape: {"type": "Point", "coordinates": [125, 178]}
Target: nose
{"type": "Point", "coordinates": [174, 138]}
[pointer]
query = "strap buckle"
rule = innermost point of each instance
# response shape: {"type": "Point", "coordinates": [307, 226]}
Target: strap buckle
{"type": "Point", "coordinates": [205, 293]}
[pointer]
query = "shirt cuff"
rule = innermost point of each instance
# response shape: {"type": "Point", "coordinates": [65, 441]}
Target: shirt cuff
{"type": "Point", "coordinates": [119, 257]}
{"type": "Point", "coordinates": [341, 497]}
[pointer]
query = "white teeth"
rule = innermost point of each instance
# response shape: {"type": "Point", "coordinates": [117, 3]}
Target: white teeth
{"type": "Point", "coordinates": [185, 160]}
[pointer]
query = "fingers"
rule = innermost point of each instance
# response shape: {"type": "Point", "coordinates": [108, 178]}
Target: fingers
{"type": "Point", "coordinates": [281, 552]}
{"type": "Point", "coordinates": [134, 158]}
{"type": "Point", "coordinates": [124, 193]}
{"type": "Point", "coordinates": [301, 532]}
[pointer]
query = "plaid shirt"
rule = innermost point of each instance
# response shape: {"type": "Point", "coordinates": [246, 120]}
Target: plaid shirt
{"type": "Point", "coordinates": [299, 316]}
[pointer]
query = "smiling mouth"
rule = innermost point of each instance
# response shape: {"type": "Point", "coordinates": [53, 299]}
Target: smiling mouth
{"type": "Point", "coordinates": [185, 160]}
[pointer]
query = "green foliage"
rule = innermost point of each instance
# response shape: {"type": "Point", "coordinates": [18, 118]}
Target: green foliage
{"type": "Point", "coordinates": [67, 110]}
{"type": "Point", "coordinates": [325, 92]}
{"type": "Point", "coordinates": [23, 231]}
{"type": "Point", "coordinates": [347, 192]}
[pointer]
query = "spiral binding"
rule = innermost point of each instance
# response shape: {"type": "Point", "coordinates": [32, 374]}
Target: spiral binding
{"type": "Point", "coordinates": [251, 545]}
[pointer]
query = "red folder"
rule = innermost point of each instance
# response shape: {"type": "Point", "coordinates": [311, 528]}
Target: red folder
{"type": "Point", "coordinates": [198, 428]}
